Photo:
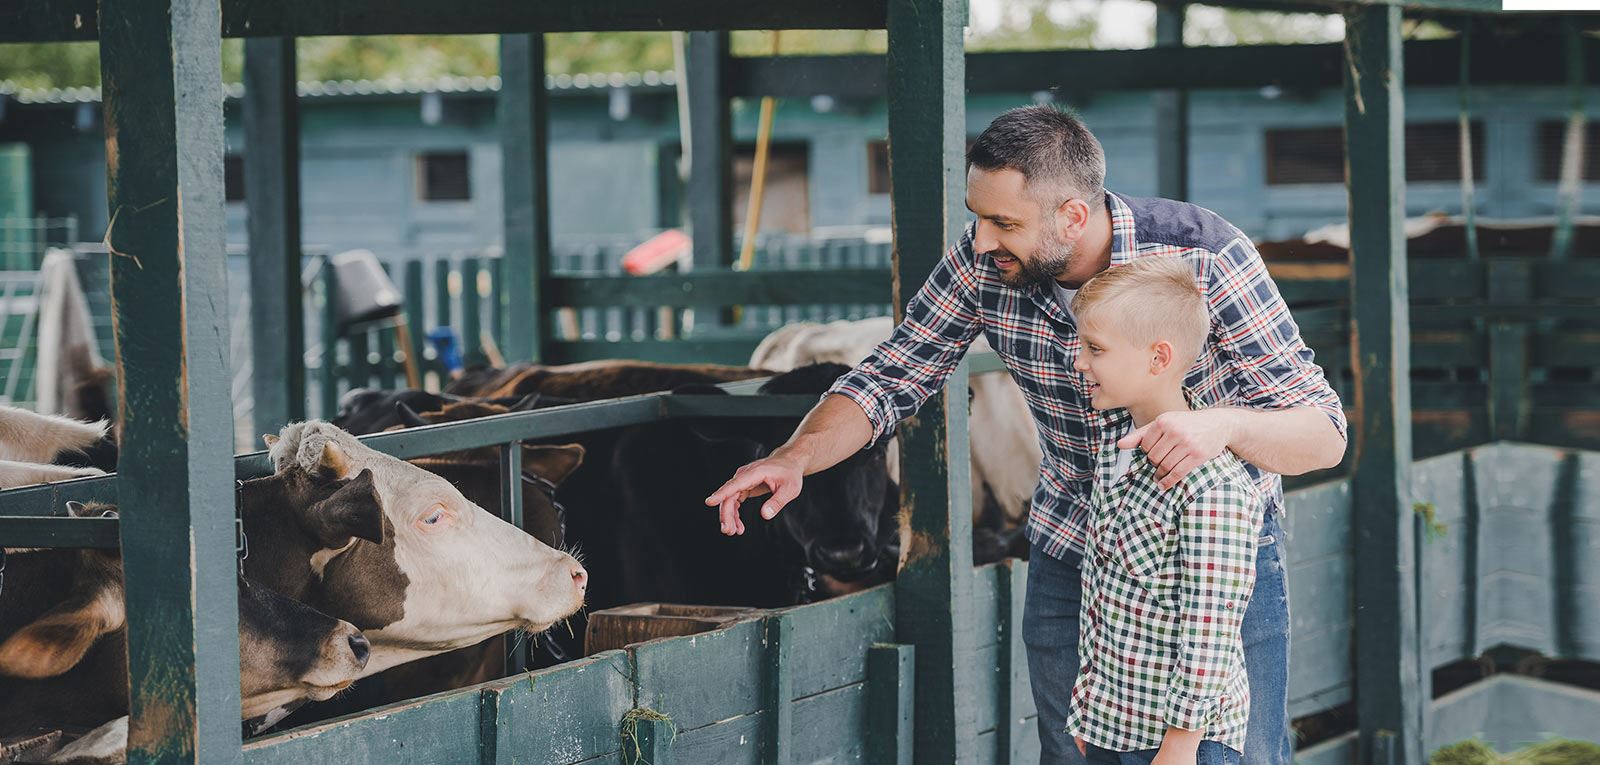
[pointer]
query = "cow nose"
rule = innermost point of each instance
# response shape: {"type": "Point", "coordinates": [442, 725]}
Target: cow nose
{"type": "Point", "coordinates": [360, 648]}
{"type": "Point", "coordinates": [845, 557]}
{"type": "Point", "coordinates": [580, 577]}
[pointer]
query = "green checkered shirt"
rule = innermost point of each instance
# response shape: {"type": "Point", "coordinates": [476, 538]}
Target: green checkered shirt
{"type": "Point", "coordinates": [1166, 578]}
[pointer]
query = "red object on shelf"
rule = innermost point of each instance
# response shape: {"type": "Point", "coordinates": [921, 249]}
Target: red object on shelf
{"type": "Point", "coordinates": [657, 252]}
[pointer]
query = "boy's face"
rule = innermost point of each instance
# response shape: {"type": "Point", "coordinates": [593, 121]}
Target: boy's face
{"type": "Point", "coordinates": [1118, 371]}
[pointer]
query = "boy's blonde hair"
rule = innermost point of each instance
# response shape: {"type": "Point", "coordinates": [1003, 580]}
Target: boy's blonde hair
{"type": "Point", "coordinates": [1146, 301]}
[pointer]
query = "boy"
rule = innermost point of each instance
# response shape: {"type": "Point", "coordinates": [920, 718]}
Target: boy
{"type": "Point", "coordinates": [1167, 574]}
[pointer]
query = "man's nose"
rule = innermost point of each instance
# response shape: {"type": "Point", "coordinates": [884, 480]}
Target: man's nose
{"type": "Point", "coordinates": [983, 239]}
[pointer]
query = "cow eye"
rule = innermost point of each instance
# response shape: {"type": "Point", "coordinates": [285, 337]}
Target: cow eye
{"type": "Point", "coordinates": [434, 517]}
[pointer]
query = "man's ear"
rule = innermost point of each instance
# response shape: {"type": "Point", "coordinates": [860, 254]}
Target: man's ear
{"type": "Point", "coordinates": [352, 512]}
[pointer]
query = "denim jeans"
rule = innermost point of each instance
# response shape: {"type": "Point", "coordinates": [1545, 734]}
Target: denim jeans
{"type": "Point", "coordinates": [1209, 753]}
{"type": "Point", "coordinates": [1050, 632]}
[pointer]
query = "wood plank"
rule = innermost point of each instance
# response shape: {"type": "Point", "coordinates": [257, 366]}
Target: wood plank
{"type": "Point", "coordinates": [778, 646]}
{"type": "Point", "coordinates": [1445, 591]}
{"type": "Point", "coordinates": [60, 532]}
{"type": "Point", "coordinates": [710, 182]}
{"type": "Point", "coordinates": [778, 287]}
{"type": "Point", "coordinates": [442, 728]}
{"type": "Point", "coordinates": [891, 704]}
{"type": "Point", "coordinates": [523, 116]}
{"type": "Point", "coordinates": [834, 726]}
{"type": "Point", "coordinates": [1510, 283]}
{"type": "Point", "coordinates": [927, 132]}
{"type": "Point", "coordinates": [730, 351]}
{"type": "Point", "coordinates": [272, 187]}
{"type": "Point", "coordinates": [565, 714]}
{"type": "Point", "coordinates": [836, 636]}
{"type": "Point", "coordinates": [652, 742]}
{"type": "Point", "coordinates": [164, 131]}
{"type": "Point", "coordinates": [701, 679]}
{"type": "Point", "coordinates": [1171, 109]}
{"type": "Point", "coordinates": [1393, 682]}
{"type": "Point", "coordinates": [1015, 697]}
{"type": "Point", "coordinates": [735, 742]}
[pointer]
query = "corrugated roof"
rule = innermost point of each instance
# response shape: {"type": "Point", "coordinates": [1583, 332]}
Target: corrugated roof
{"type": "Point", "coordinates": [384, 87]}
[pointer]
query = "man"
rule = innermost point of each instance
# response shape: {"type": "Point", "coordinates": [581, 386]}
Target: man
{"type": "Point", "coordinates": [1045, 225]}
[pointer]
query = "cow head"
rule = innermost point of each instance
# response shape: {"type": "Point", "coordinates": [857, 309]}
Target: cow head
{"type": "Point", "coordinates": [452, 573]}
{"type": "Point", "coordinates": [363, 410]}
{"type": "Point", "coordinates": [835, 522]}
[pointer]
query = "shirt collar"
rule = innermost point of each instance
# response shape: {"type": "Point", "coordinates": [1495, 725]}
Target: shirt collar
{"type": "Point", "coordinates": [1124, 243]}
{"type": "Point", "coordinates": [1118, 422]}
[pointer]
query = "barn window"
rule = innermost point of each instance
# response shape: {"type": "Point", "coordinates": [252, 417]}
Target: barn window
{"type": "Point", "coordinates": [787, 206]}
{"type": "Point", "coordinates": [1316, 155]}
{"type": "Point", "coordinates": [1552, 137]}
{"type": "Point", "coordinates": [233, 178]}
{"type": "Point", "coordinates": [444, 176]}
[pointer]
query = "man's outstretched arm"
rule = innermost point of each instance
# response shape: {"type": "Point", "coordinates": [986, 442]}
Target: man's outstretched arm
{"type": "Point", "coordinates": [834, 429]}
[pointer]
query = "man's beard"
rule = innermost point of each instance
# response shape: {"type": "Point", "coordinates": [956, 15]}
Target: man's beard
{"type": "Point", "coordinates": [1051, 258]}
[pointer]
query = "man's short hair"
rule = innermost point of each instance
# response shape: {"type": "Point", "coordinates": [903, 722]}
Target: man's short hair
{"type": "Point", "coordinates": [1146, 301]}
{"type": "Point", "coordinates": [1052, 149]}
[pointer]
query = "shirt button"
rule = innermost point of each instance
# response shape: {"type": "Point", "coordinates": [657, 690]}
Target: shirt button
{"type": "Point", "coordinates": [1230, 604]}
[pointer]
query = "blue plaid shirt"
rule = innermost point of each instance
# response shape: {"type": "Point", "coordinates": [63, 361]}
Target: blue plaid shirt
{"type": "Point", "coordinates": [1254, 356]}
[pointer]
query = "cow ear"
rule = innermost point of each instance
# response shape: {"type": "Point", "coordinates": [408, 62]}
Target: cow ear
{"type": "Point", "coordinates": [57, 641]}
{"type": "Point", "coordinates": [408, 416]}
{"type": "Point", "coordinates": [333, 462]}
{"type": "Point", "coordinates": [269, 439]}
{"type": "Point", "coordinates": [552, 463]}
{"type": "Point", "coordinates": [352, 512]}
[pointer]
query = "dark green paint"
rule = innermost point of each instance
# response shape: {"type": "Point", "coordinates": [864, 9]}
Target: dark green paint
{"type": "Point", "coordinates": [779, 647]}
{"type": "Point", "coordinates": [927, 127]}
{"type": "Point", "coordinates": [891, 703]}
{"type": "Point", "coordinates": [164, 143]}
{"type": "Point", "coordinates": [787, 287]}
{"type": "Point", "coordinates": [1171, 112]}
{"type": "Point", "coordinates": [272, 184]}
{"type": "Point", "coordinates": [524, 121]}
{"type": "Point", "coordinates": [1392, 685]}
{"type": "Point", "coordinates": [710, 181]}
{"type": "Point", "coordinates": [330, 372]}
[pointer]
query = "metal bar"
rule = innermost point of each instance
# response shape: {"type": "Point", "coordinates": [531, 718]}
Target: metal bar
{"type": "Point", "coordinates": [272, 186]}
{"type": "Point", "coordinates": [416, 315]}
{"type": "Point", "coordinates": [710, 182]}
{"type": "Point", "coordinates": [797, 287]}
{"type": "Point", "coordinates": [891, 702]}
{"type": "Point", "coordinates": [524, 119]}
{"type": "Point", "coordinates": [164, 127]}
{"type": "Point", "coordinates": [517, 656]}
{"type": "Point", "coordinates": [1393, 685]}
{"type": "Point", "coordinates": [933, 591]}
{"type": "Point", "coordinates": [1013, 660]}
{"type": "Point", "coordinates": [795, 405]}
{"type": "Point", "coordinates": [1171, 112]}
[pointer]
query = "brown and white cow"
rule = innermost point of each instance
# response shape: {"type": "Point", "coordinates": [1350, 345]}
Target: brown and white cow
{"type": "Point", "coordinates": [439, 573]}
{"type": "Point", "coordinates": [63, 648]}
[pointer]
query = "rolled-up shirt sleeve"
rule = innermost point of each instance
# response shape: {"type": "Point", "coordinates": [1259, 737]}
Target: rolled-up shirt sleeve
{"type": "Point", "coordinates": [1254, 328]}
{"type": "Point", "coordinates": [903, 372]}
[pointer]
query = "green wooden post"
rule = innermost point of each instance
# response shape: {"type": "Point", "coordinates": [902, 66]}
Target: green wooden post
{"type": "Point", "coordinates": [175, 487]}
{"type": "Point", "coordinates": [330, 339]}
{"type": "Point", "coordinates": [359, 374]}
{"type": "Point", "coordinates": [1171, 112]}
{"type": "Point", "coordinates": [525, 175]}
{"type": "Point", "coordinates": [471, 313]}
{"type": "Point", "coordinates": [648, 741]}
{"type": "Point", "coordinates": [272, 188]}
{"type": "Point", "coordinates": [1013, 660]}
{"type": "Point", "coordinates": [891, 698]}
{"type": "Point", "coordinates": [1392, 687]}
{"type": "Point", "coordinates": [1510, 282]}
{"type": "Point", "coordinates": [441, 294]}
{"type": "Point", "coordinates": [933, 601]}
{"type": "Point", "coordinates": [778, 639]}
{"type": "Point", "coordinates": [710, 186]}
{"type": "Point", "coordinates": [416, 317]}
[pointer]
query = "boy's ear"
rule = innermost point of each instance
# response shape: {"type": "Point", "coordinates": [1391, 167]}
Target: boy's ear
{"type": "Point", "coordinates": [1162, 355]}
